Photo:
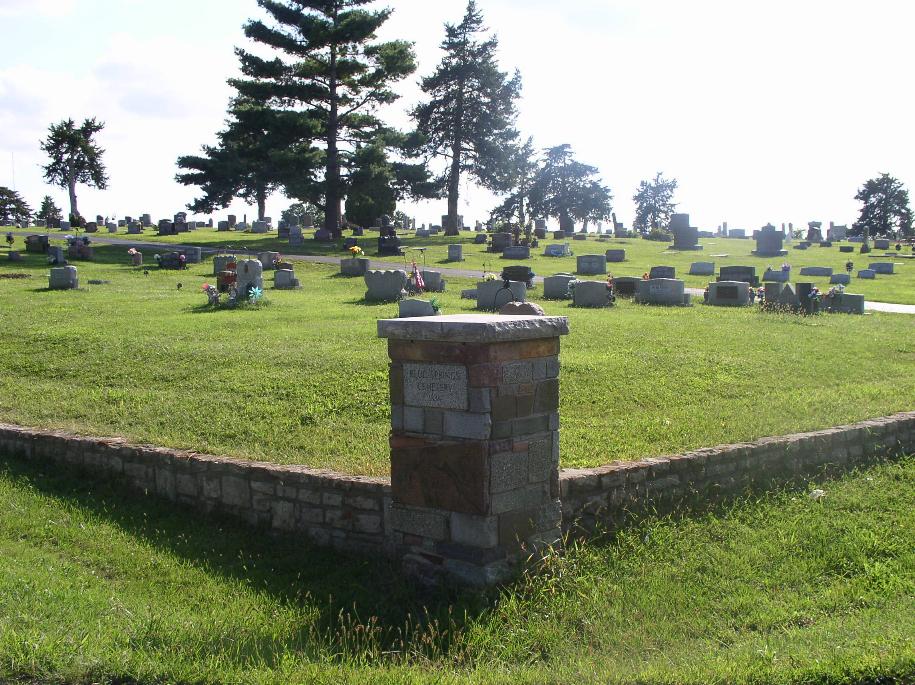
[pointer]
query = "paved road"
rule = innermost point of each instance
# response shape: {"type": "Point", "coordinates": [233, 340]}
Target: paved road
{"type": "Point", "coordinates": [889, 307]}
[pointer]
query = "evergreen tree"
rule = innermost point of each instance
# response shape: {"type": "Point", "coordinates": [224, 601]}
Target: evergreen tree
{"type": "Point", "coordinates": [469, 119]}
{"type": "Point", "coordinates": [13, 208]}
{"type": "Point", "coordinates": [566, 189]}
{"type": "Point", "coordinates": [518, 177]}
{"type": "Point", "coordinates": [654, 204]}
{"type": "Point", "coordinates": [331, 74]}
{"type": "Point", "coordinates": [885, 209]}
{"type": "Point", "coordinates": [49, 211]}
{"type": "Point", "coordinates": [75, 158]}
{"type": "Point", "coordinates": [259, 151]}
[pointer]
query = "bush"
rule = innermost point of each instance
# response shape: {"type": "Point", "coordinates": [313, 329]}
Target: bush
{"type": "Point", "coordinates": [660, 235]}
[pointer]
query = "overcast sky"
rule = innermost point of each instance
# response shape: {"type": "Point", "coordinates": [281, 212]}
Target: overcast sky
{"type": "Point", "coordinates": [771, 111]}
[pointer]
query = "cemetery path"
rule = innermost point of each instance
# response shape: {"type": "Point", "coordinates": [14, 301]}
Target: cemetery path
{"type": "Point", "coordinates": [888, 307]}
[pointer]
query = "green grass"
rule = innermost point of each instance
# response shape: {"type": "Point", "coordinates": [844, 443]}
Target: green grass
{"type": "Point", "coordinates": [303, 379]}
{"type": "Point", "coordinates": [98, 586]}
{"type": "Point", "coordinates": [641, 256]}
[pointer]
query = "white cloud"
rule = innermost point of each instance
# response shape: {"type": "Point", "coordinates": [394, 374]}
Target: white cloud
{"type": "Point", "coordinates": [53, 8]}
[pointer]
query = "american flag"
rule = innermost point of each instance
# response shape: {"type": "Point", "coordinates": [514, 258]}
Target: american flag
{"type": "Point", "coordinates": [418, 277]}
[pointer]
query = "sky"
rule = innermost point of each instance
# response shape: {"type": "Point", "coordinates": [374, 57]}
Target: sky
{"type": "Point", "coordinates": [772, 111]}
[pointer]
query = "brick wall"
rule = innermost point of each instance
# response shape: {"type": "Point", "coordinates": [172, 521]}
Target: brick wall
{"type": "Point", "coordinates": [331, 509]}
{"type": "Point", "coordinates": [352, 513]}
{"type": "Point", "coordinates": [601, 497]}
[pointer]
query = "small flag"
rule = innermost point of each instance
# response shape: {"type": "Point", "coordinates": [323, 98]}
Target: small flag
{"type": "Point", "coordinates": [418, 277]}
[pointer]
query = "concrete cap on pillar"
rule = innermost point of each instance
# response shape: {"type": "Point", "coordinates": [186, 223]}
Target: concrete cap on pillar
{"type": "Point", "coordinates": [473, 328]}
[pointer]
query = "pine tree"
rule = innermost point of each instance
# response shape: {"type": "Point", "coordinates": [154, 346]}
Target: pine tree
{"type": "Point", "coordinates": [75, 158]}
{"type": "Point", "coordinates": [49, 211]}
{"type": "Point", "coordinates": [518, 177]}
{"type": "Point", "coordinates": [654, 204]}
{"type": "Point", "coordinates": [259, 151]}
{"type": "Point", "coordinates": [332, 75]}
{"type": "Point", "coordinates": [566, 188]}
{"type": "Point", "coordinates": [470, 117]}
{"type": "Point", "coordinates": [13, 208]}
{"type": "Point", "coordinates": [886, 209]}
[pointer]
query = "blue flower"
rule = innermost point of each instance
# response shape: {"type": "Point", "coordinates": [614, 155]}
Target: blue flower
{"type": "Point", "coordinates": [256, 294]}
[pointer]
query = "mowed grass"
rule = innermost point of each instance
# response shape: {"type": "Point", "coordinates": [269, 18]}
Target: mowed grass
{"type": "Point", "coordinates": [641, 255]}
{"type": "Point", "coordinates": [303, 378]}
{"type": "Point", "coordinates": [98, 586]}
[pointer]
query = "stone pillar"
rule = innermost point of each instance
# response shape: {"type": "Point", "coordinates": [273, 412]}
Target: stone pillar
{"type": "Point", "coordinates": [474, 443]}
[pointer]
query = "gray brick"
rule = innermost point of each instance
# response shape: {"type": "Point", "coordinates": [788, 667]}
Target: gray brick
{"type": "Point", "coordinates": [517, 372]}
{"type": "Point", "coordinates": [283, 515]}
{"type": "Point", "coordinates": [476, 531]}
{"type": "Point", "coordinates": [331, 499]}
{"type": "Point", "coordinates": [413, 419]}
{"type": "Point", "coordinates": [458, 424]}
{"type": "Point", "coordinates": [480, 400]}
{"type": "Point", "coordinates": [507, 471]}
{"type": "Point", "coordinates": [397, 415]}
{"type": "Point", "coordinates": [235, 492]}
{"type": "Point", "coordinates": [521, 498]}
{"type": "Point", "coordinates": [540, 460]}
{"type": "Point", "coordinates": [423, 522]}
{"type": "Point", "coordinates": [367, 523]}
{"type": "Point", "coordinates": [432, 421]}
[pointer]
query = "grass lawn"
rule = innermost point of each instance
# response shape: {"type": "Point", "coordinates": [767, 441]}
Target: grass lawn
{"type": "Point", "coordinates": [98, 586]}
{"type": "Point", "coordinates": [641, 255]}
{"type": "Point", "coordinates": [303, 378]}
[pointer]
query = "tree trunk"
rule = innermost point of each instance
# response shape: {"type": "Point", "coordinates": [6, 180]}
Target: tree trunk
{"type": "Point", "coordinates": [454, 175]}
{"type": "Point", "coordinates": [261, 204]}
{"type": "Point", "coordinates": [332, 197]}
{"type": "Point", "coordinates": [71, 188]}
{"type": "Point", "coordinates": [565, 222]}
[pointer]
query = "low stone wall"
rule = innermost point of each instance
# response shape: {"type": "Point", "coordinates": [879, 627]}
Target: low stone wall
{"type": "Point", "coordinates": [346, 512]}
{"type": "Point", "coordinates": [352, 513]}
{"type": "Point", "coordinates": [603, 497]}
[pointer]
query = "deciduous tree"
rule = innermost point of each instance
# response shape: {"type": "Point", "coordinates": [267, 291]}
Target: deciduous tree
{"type": "Point", "coordinates": [75, 158]}
{"type": "Point", "coordinates": [654, 204]}
{"type": "Point", "coordinates": [885, 209]}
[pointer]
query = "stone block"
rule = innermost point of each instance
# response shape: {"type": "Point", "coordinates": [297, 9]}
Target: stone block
{"type": "Point", "coordinates": [421, 522]}
{"type": "Point", "coordinates": [452, 476]}
{"type": "Point", "coordinates": [556, 287]}
{"type": "Point", "coordinates": [474, 531]}
{"type": "Point", "coordinates": [508, 471]}
{"type": "Point", "coordinates": [702, 269]}
{"type": "Point", "coordinates": [458, 424]}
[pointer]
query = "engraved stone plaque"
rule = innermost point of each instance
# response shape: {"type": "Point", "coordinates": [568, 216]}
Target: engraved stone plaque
{"type": "Point", "coordinates": [442, 386]}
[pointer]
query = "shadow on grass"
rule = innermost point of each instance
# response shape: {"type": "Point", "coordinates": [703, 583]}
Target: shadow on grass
{"type": "Point", "coordinates": [348, 591]}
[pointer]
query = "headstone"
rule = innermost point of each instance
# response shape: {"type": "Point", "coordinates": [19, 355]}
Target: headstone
{"type": "Point", "coordinates": [559, 235]}
{"type": "Point", "coordinates": [845, 303]}
{"type": "Point", "coordinates": [63, 278]}
{"type": "Point", "coordinates": [737, 233]}
{"type": "Point", "coordinates": [787, 297]}
{"type": "Point", "coordinates": [625, 286]}
{"type": "Point", "coordinates": [111, 227]}
{"type": "Point", "coordinates": [590, 294]}
{"type": "Point", "coordinates": [455, 253]}
{"type": "Point", "coordinates": [434, 281]}
{"type": "Point", "coordinates": [814, 234]}
{"type": "Point", "coordinates": [249, 274]}
{"type": "Point", "coordinates": [64, 225]}
{"type": "Point", "coordinates": [822, 271]}
{"type": "Point", "coordinates": [846, 248]}
{"type": "Point", "coordinates": [194, 255]}
{"type": "Point", "coordinates": [881, 244]}
{"type": "Point", "coordinates": [423, 233]}
{"type": "Point", "coordinates": [232, 219]}
{"type": "Point", "coordinates": [540, 224]}
{"type": "Point", "coordinates": [667, 272]}
{"type": "Point", "coordinates": [667, 291]}
{"type": "Point", "coordinates": [357, 266]}
{"type": "Point", "coordinates": [296, 237]}
{"type": "Point", "coordinates": [385, 286]}
{"type": "Point", "coordinates": [516, 252]}
{"type": "Point", "coordinates": [268, 259]}
{"type": "Point", "coordinates": [91, 227]}
{"type": "Point", "coordinates": [588, 264]}
{"type": "Point", "coordinates": [181, 227]}
{"type": "Point", "coordinates": [729, 294]}
{"type": "Point", "coordinates": [259, 227]}
{"type": "Point", "coordinates": [80, 250]}
{"type": "Point", "coordinates": [37, 244]}
{"type": "Point", "coordinates": [479, 239]}
{"type": "Point", "coordinates": [769, 242]}
{"type": "Point", "coordinates": [540, 233]}
{"type": "Point", "coordinates": [556, 287]}
{"type": "Point", "coordinates": [777, 275]}
{"type": "Point", "coordinates": [685, 236]}
{"type": "Point", "coordinates": [412, 307]}
{"type": "Point", "coordinates": [616, 255]}
{"type": "Point", "coordinates": [224, 263]}
{"type": "Point", "coordinates": [867, 274]}
{"type": "Point", "coordinates": [557, 250]}
{"type": "Point", "coordinates": [500, 241]}
{"type": "Point", "coordinates": [223, 226]}
{"type": "Point", "coordinates": [15, 256]}
{"type": "Point", "coordinates": [491, 295]}
{"type": "Point", "coordinates": [840, 279]}
{"type": "Point", "coordinates": [146, 220]}
{"type": "Point", "coordinates": [702, 269]}
{"type": "Point", "coordinates": [56, 255]}
{"type": "Point", "coordinates": [836, 232]}
{"type": "Point", "coordinates": [579, 236]}
{"type": "Point", "coordinates": [739, 273]}
{"type": "Point", "coordinates": [773, 291]}
{"type": "Point", "coordinates": [826, 243]}
{"type": "Point", "coordinates": [882, 268]}
{"type": "Point", "coordinates": [284, 279]}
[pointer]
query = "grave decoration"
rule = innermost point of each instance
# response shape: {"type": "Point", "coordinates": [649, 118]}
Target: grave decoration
{"type": "Point", "coordinates": [136, 257]}
{"type": "Point", "coordinates": [235, 297]}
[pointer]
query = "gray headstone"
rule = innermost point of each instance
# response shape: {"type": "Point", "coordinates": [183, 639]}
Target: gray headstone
{"type": "Point", "coordinates": [702, 269]}
{"type": "Point", "coordinates": [729, 294]}
{"type": "Point", "coordinates": [590, 294]}
{"type": "Point", "coordinates": [491, 295]}
{"type": "Point", "coordinates": [556, 287]}
{"type": "Point", "coordinates": [63, 278]}
{"type": "Point", "coordinates": [882, 268]}
{"type": "Point", "coordinates": [868, 274]}
{"type": "Point", "coordinates": [591, 264]}
{"type": "Point", "coordinates": [385, 286]}
{"type": "Point", "coordinates": [822, 271]}
{"type": "Point", "coordinates": [411, 307]}
{"type": "Point", "coordinates": [840, 279]}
